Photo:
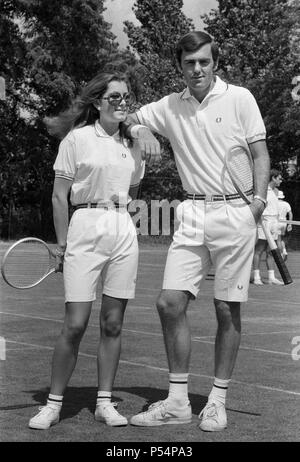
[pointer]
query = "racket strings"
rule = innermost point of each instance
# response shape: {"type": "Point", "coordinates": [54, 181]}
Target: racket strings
{"type": "Point", "coordinates": [241, 170]}
{"type": "Point", "coordinates": [26, 264]}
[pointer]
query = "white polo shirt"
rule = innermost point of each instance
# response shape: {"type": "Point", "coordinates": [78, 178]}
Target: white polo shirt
{"type": "Point", "coordinates": [201, 133]}
{"type": "Point", "coordinates": [272, 208]}
{"type": "Point", "coordinates": [101, 167]}
{"type": "Point", "coordinates": [284, 209]}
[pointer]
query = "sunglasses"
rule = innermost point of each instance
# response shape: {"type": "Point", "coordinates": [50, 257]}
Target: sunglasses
{"type": "Point", "coordinates": [115, 99]}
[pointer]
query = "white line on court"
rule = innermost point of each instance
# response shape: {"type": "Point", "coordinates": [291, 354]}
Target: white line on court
{"type": "Point", "coordinates": [198, 339]}
{"type": "Point", "coordinates": [162, 369]}
{"type": "Point", "coordinates": [250, 299]}
{"type": "Point", "coordinates": [156, 334]}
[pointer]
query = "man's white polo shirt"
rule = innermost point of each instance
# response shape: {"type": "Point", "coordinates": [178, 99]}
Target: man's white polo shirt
{"type": "Point", "coordinates": [101, 167]}
{"type": "Point", "coordinates": [201, 133]}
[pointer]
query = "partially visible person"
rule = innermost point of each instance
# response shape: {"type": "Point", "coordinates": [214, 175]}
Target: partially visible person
{"type": "Point", "coordinates": [102, 170]}
{"type": "Point", "coordinates": [285, 213]}
{"type": "Point", "coordinates": [270, 216]}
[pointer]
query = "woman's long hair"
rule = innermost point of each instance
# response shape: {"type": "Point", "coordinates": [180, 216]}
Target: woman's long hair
{"type": "Point", "coordinates": [83, 111]}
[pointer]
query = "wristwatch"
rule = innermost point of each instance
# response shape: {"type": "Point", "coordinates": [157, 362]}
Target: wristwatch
{"type": "Point", "coordinates": [256, 196]}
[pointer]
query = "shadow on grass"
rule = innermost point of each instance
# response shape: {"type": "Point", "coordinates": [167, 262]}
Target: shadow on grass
{"type": "Point", "coordinates": [151, 395]}
{"type": "Point", "coordinates": [78, 398]}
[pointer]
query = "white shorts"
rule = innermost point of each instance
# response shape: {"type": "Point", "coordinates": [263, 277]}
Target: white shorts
{"type": "Point", "coordinates": [281, 229]}
{"type": "Point", "coordinates": [272, 223]}
{"type": "Point", "coordinates": [216, 233]}
{"type": "Point", "coordinates": [100, 244]}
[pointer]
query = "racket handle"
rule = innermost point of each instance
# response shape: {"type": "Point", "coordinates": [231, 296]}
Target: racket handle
{"type": "Point", "coordinates": [284, 272]}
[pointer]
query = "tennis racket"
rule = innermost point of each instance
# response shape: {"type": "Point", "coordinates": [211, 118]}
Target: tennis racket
{"type": "Point", "coordinates": [27, 263]}
{"type": "Point", "coordinates": [239, 165]}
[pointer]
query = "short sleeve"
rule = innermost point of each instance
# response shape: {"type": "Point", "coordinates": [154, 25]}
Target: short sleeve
{"type": "Point", "coordinates": [139, 170]}
{"type": "Point", "coordinates": [250, 117]}
{"type": "Point", "coordinates": [153, 116]}
{"type": "Point", "coordinates": [65, 163]}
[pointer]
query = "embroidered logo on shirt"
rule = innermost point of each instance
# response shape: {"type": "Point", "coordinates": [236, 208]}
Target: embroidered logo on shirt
{"type": "Point", "coordinates": [218, 120]}
{"type": "Point", "coordinates": [123, 155]}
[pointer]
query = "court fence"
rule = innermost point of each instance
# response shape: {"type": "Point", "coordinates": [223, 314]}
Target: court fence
{"type": "Point", "coordinates": [158, 199]}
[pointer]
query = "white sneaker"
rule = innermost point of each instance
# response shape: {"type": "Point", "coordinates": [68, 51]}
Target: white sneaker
{"type": "Point", "coordinates": [275, 282]}
{"type": "Point", "coordinates": [258, 282]}
{"type": "Point", "coordinates": [213, 417]}
{"type": "Point", "coordinates": [107, 413]}
{"type": "Point", "coordinates": [162, 413]}
{"type": "Point", "coordinates": [48, 415]}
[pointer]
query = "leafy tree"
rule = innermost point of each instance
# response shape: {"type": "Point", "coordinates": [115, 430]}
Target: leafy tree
{"type": "Point", "coordinates": [257, 41]}
{"type": "Point", "coordinates": [162, 24]}
{"type": "Point", "coordinates": [64, 44]}
{"type": "Point", "coordinates": [12, 126]}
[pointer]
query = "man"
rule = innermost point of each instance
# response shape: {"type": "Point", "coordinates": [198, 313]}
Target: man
{"type": "Point", "coordinates": [285, 212]}
{"type": "Point", "coordinates": [270, 216]}
{"type": "Point", "coordinates": [216, 227]}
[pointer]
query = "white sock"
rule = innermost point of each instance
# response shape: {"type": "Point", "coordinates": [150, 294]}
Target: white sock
{"type": "Point", "coordinates": [103, 397]}
{"type": "Point", "coordinates": [55, 400]}
{"type": "Point", "coordinates": [178, 388]}
{"type": "Point", "coordinates": [219, 390]}
{"type": "Point", "coordinates": [256, 275]}
{"type": "Point", "coordinates": [271, 275]}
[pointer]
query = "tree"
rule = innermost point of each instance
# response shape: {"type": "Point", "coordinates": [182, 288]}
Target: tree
{"type": "Point", "coordinates": [12, 126]}
{"type": "Point", "coordinates": [64, 44]}
{"type": "Point", "coordinates": [257, 51]}
{"type": "Point", "coordinates": [162, 24]}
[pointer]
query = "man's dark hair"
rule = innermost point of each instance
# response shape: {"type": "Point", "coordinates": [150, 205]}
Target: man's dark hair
{"type": "Point", "coordinates": [274, 172]}
{"type": "Point", "coordinates": [194, 40]}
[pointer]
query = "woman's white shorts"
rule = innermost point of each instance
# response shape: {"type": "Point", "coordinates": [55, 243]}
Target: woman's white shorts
{"type": "Point", "coordinates": [101, 245]}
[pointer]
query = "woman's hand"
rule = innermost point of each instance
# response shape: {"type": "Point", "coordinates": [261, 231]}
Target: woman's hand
{"type": "Point", "coordinates": [59, 257]}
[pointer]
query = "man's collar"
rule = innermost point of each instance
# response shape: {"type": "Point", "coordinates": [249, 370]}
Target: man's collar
{"type": "Point", "coordinates": [219, 87]}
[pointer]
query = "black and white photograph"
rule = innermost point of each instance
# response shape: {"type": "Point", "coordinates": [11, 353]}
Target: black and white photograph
{"type": "Point", "coordinates": [150, 224]}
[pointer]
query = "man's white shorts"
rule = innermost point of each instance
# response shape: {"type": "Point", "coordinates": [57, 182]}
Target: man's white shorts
{"type": "Point", "coordinates": [272, 223]}
{"type": "Point", "coordinates": [101, 245]}
{"type": "Point", "coordinates": [221, 234]}
{"type": "Point", "coordinates": [281, 229]}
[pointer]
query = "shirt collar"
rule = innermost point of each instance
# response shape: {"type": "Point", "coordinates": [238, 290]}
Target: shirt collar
{"type": "Point", "coordinates": [99, 130]}
{"type": "Point", "coordinates": [219, 87]}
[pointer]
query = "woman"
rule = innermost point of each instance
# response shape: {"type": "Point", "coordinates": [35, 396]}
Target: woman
{"type": "Point", "coordinates": [102, 170]}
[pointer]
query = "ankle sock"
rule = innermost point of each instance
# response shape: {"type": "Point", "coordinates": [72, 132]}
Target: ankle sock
{"type": "Point", "coordinates": [256, 275]}
{"type": "Point", "coordinates": [219, 390]}
{"type": "Point", "coordinates": [178, 388]}
{"type": "Point", "coordinates": [103, 397]}
{"type": "Point", "coordinates": [55, 400]}
{"type": "Point", "coordinates": [271, 275]}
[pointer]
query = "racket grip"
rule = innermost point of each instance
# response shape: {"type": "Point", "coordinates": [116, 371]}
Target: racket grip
{"type": "Point", "coordinates": [284, 272]}
{"type": "Point", "coordinates": [282, 268]}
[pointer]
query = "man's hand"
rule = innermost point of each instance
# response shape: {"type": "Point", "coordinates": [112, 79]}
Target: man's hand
{"type": "Point", "coordinates": [257, 207]}
{"type": "Point", "coordinates": [149, 146]}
